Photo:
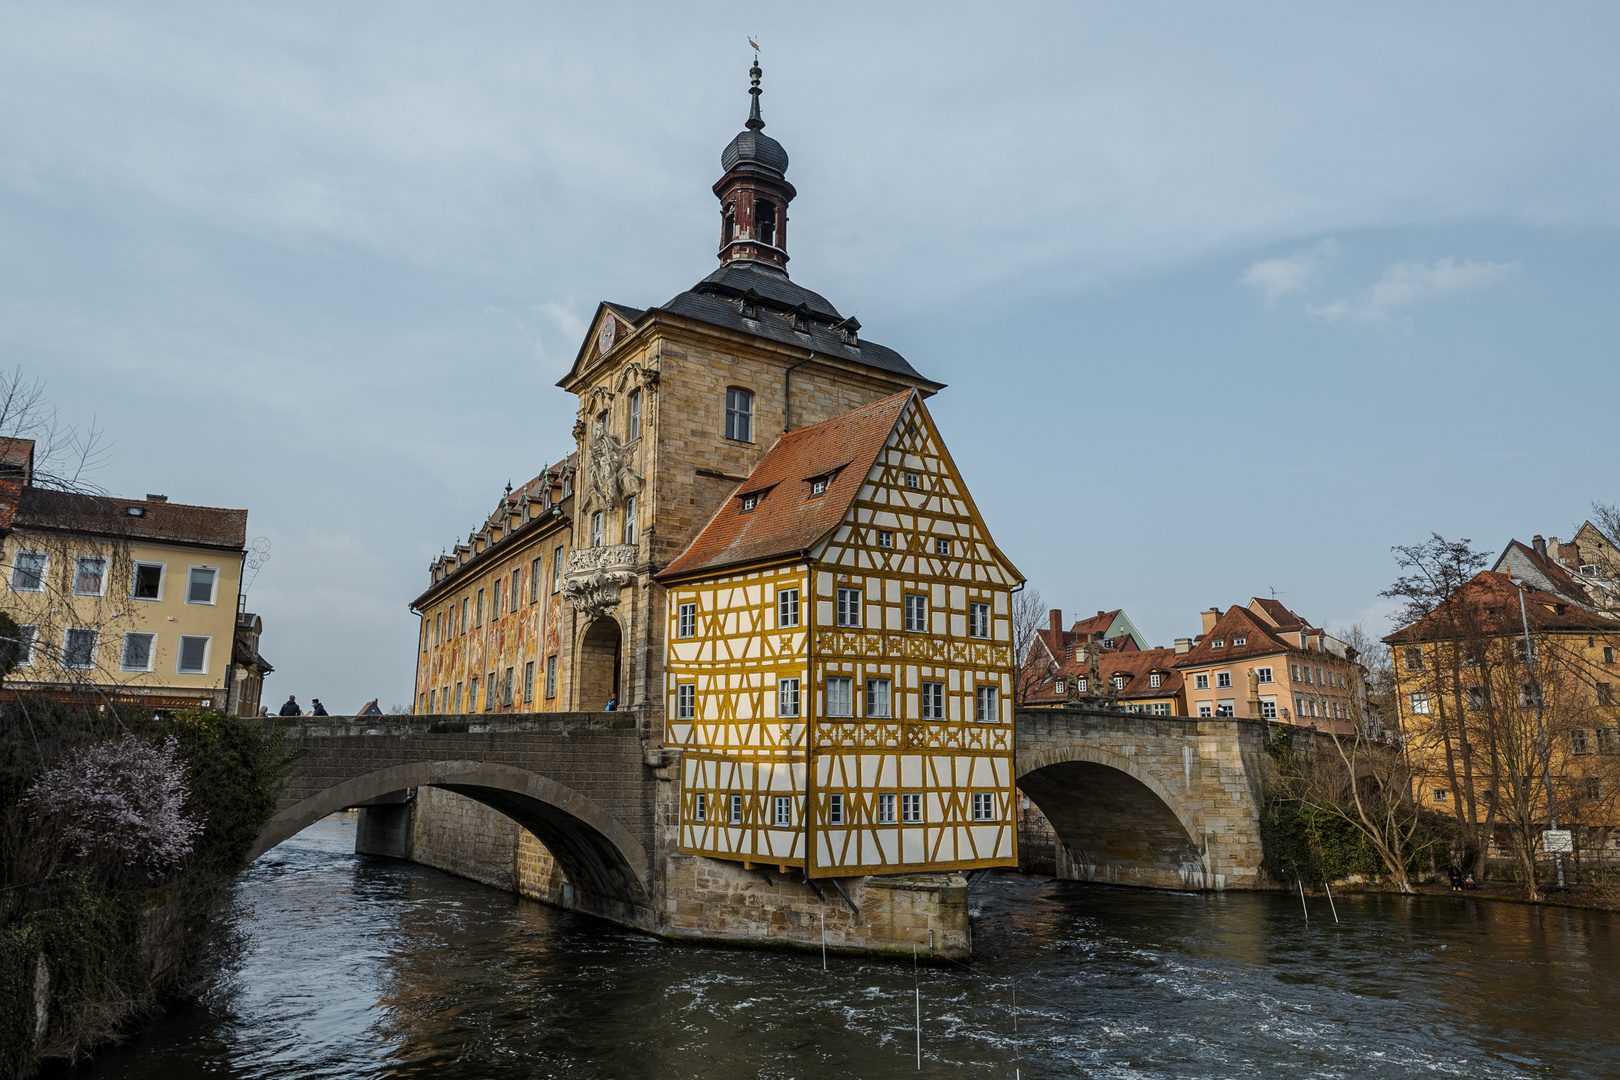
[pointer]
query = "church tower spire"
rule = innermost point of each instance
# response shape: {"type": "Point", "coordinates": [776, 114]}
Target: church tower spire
{"type": "Point", "coordinates": [754, 192]}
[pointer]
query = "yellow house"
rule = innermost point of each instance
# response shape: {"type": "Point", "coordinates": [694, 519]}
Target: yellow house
{"type": "Point", "coordinates": [489, 639]}
{"type": "Point", "coordinates": [839, 669]}
{"type": "Point", "coordinates": [121, 600]}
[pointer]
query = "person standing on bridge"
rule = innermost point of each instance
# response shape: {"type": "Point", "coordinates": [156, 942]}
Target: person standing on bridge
{"type": "Point", "coordinates": [613, 704]}
{"type": "Point", "coordinates": [290, 706]}
{"type": "Point", "coordinates": [317, 709]}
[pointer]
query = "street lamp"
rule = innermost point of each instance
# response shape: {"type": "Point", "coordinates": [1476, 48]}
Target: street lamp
{"type": "Point", "coordinates": [1541, 734]}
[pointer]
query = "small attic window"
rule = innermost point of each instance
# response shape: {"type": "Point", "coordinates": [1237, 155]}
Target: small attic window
{"type": "Point", "coordinates": [1218, 643]}
{"type": "Point", "coordinates": [1239, 641]}
{"type": "Point", "coordinates": [136, 511]}
{"type": "Point", "coordinates": [749, 502]}
{"type": "Point", "coordinates": [818, 487]}
{"type": "Point", "coordinates": [747, 308]}
{"type": "Point", "coordinates": [913, 481]}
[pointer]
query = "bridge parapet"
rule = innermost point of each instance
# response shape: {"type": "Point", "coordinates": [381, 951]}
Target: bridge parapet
{"type": "Point", "coordinates": [570, 723]}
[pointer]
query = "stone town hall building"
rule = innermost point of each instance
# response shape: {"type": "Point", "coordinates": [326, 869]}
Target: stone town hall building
{"type": "Point", "coordinates": [761, 549]}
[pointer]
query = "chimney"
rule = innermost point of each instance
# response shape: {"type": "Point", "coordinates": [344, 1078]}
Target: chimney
{"type": "Point", "coordinates": [1055, 620]}
{"type": "Point", "coordinates": [1211, 617]}
{"type": "Point", "coordinates": [1183, 645]}
{"type": "Point", "coordinates": [1540, 544]}
{"type": "Point", "coordinates": [157, 498]}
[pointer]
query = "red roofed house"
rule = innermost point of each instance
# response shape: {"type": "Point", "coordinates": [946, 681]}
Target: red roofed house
{"type": "Point", "coordinates": [1265, 662]}
{"type": "Point", "coordinates": [839, 670]}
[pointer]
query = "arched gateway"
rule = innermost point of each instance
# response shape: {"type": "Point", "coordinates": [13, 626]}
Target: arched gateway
{"type": "Point", "coordinates": [576, 782]}
{"type": "Point", "coordinates": [1163, 802]}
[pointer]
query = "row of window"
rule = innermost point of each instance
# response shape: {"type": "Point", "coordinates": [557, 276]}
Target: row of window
{"type": "Point", "coordinates": [1591, 787]}
{"type": "Point", "coordinates": [1607, 740]}
{"type": "Point", "coordinates": [1155, 680]}
{"type": "Point", "coordinates": [28, 570]}
{"type": "Point", "coordinates": [1412, 658]}
{"type": "Point", "coordinates": [501, 690]}
{"type": "Point", "coordinates": [505, 596]}
{"type": "Point", "coordinates": [781, 807]}
{"type": "Point", "coordinates": [841, 700]}
{"type": "Point", "coordinates": [81, 646]}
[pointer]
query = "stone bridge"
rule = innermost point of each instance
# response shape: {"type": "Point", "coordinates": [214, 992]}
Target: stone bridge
{"type": "Point", "coordinates": [1169, 802]}
{"type": "Point", "coordinates": [1162, 802]}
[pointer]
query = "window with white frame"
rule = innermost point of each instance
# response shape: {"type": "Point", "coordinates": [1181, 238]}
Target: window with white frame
{"type": "Point", "coordinates": [984, 702]}
{"type": "Point", "coordinates": [630, 519]}
{"type": "Point", "coordinates": [491, 688]}
{"type": "Point", "coordinates": [1160, 708]}
{"type": "Point", "coordinates": [942, 546]}
{"type": "Point", "coordinates": [1412, 658]}
{"type": "Point", "coordinates": [913, 481]}
{"type": "Point", "coordinates": [137, 652]}
{"type": "Point", "coordinates": [877, 698]}
{"type": "Point", "coordinates": [978, 620]}
{"type": "Point", "coordinates": [700, 806]}
{"type": "Point", "coordinates": [1155, 679]}
{"type": "Point", "coordinates": [1201, 681]}
{"type": "Point", "coordinates": [1060, 687]}
{"type": "Point", "coordinates": [686, 620]}
{"type": "Point", "coordinates": [534, 581]}
{"type": "Point", "coordinates": [633, 423]}
{"type": "Point", "coordinates": [739, 414]}
{"type": "Point", "coordinates": [839, 695]}
{"type": "Point", "coordinates": [1223, 680]}
{"type": "Point", "coordinates": [556, 568]}
{"type": "Point", "coordinates": [1294, 670]}
{"type": "Point", "coordinates": [507, 684]}
{"type": "Point", "coordinates": [933, 701]}
{"type": "Point", "coordinates": [27, 637]}
{"type": "Point", "coordinates": [1419, 703]}
{"type": "Point", "coordinates": [1268, 708]}
{"type": "Point", "coordinates": [28, 571]}
{"type": "Point", "coordinates": [885, 809]}
{"type": "Point", "coordinates": [749, 502]}
{"type": "Point", "coordinates": [146, 581]}
{"type": "Point", "coordinates": [200, 583]}
{"type": "Point", "coordinates": [835, 809]}
{"type": "Point", "coordinates": [1225, 707]}
{"type": "Point", "coordinates": [515, 593]}
{"type": "Point", "coordinates": [597, 526]}
{"type": "Point", "coordinates": [1239, 641]}
{"type": "Point", "coordinates": [885, 538]}
{"type": "Point", "coordinates": [787, 608]}
{"type": "Point", "coordinates": [784, 811]}
{"type": "Point", "coordinates": [1218, 643]}
{"type": "Point", "coordinates": [916, 612]}
{"type": "Point", "coordinates": [911, 809]}
{"type": "Point", "coordinates": [736, 810]}
{"type": "Point", "coordinates": [686, 701]}
{"type": "Point", "coordinates": [1263, 674]}
{"type": "Point", "coordinates": [984, 806]}
{"type": "Point", "coordinates": [551, 676]}
{"type": "Point", "coordinates": [89, 575]}
{"type": "Point", "coordinates": [79, 648]}
{"type": "Point", "coordinates": [787, 697]}
{"type": "Point", "coordinates": [849, 607]}
{"type": "Point", "coordinates": [818, 487]}
{"type": "Point", "coordinates": [1441, 795]}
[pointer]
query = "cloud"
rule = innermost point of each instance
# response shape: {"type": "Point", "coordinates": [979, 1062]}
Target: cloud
{"type": "Point", "coordinates": [1407, 283]}
{"type": "Point", "coordinates": [1277, 278]}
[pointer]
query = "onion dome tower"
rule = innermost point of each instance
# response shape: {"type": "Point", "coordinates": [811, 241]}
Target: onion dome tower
{"type": "Point", "coordinates": [754, 192]}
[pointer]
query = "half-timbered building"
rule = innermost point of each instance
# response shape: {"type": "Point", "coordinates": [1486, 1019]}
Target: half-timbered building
{"type": "Point", "coordinates": [839, 669]}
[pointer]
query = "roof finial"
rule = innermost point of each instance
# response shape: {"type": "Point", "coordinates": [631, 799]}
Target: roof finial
{"type": "Point", "coordinates": [754, 121]}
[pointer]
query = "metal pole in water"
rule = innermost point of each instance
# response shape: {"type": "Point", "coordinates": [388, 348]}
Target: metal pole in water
{"type": "Point", "coordinates": [1331, 905]}
{"type": "Point", "coordinates": [823, 941]}
{"type": "Point", "coordinates": [1302, 906]}
{"type": "Point", "coordinates": [917, 990]}
{"type": "Point", "coordinates": [1017, 1071]}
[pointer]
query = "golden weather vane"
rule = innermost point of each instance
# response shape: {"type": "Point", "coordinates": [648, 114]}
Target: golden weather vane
{"type": "Point", "coordinates": [754, 43]}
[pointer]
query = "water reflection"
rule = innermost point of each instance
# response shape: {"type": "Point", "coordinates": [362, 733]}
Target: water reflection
{"type": "Point", "coordinates": [367, 967]}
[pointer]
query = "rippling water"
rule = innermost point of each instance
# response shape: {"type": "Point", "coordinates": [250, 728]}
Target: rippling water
{"type": "Point", "coordinates": [362, 967]}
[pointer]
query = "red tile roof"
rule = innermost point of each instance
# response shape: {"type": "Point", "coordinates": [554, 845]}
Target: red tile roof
{"type": "Point", "coordinates": [1097, 624]}
{"type": "Point", "coordinates": [1238, 622]}
{"type": "Point", "coordinates": [787, 519]}
{"type": "Point", "coordinates": [1135, 664]}
{"type": "Point", "coordinates": [1489, 603]}
{"type": "Point", "coordinates": [1280, 616]}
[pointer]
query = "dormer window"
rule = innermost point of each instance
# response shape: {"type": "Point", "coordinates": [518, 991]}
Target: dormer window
{"type": "Point", "coordinates": [1155, 679]}
{"type": "Point", "coordinates": [747, 308]}
{"type": "Point", "coordinates": [818, 487]}
{"type": "Point", "coordinates": [749, 502]}
{"type": "Point", "coordinates": [1119, 682]}
{"type": "Point", "coordinates": [1218, 643]}
{"type": "Point", "coordinates": [1238, 642]}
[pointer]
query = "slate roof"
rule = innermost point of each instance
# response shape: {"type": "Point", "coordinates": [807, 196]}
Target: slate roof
{"type": "Point", "coordinates": [1493, 599]}
{"type": "Point", "coordinates": [208, 526]}
{"type": "Point", "coordinates": [787, 520]}
{"type": "Point", "coordinates": [1135, 664]}
{"type": "Point", "coordinates": [1553, 575]}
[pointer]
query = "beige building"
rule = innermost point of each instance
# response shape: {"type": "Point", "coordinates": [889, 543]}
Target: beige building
{"type": "Point", "coordinates": [124, 600]}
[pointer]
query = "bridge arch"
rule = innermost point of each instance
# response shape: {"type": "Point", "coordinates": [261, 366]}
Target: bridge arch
{"type": "Point", "coordinates": [610, 870]}
{"type": "Point", "coordinates": [1114, 820]}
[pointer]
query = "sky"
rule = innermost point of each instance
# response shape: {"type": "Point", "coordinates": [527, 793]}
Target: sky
{"type": "Point", "coordinates": [1230, 299]}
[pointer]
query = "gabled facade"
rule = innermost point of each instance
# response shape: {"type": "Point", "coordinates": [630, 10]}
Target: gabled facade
{"type": "Point", "coordinates": [839, 669]}
{"type": "Point", "coordinates": [132, 601]}
{"type": "Point", "coordinates": [1585, 571]}
{"type": "Point", "coordinates": [1265, 662]}
{"type": "Point", "coordinates": [1132, 679]}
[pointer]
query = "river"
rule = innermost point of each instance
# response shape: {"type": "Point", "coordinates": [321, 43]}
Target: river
{"type": "Point", "coordinates": [364, 967]}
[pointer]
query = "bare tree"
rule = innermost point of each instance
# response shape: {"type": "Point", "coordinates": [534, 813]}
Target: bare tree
{"type": "Point", "coordinates": [1028, 617]}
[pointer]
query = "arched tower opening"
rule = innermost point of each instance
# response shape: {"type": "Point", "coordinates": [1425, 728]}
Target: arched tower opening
{"type": "Point", "coordinates": [598, 677]}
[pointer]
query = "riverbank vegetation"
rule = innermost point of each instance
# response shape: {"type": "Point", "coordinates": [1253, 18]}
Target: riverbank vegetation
{"type": "Point", "coordinates": [120, 833]}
